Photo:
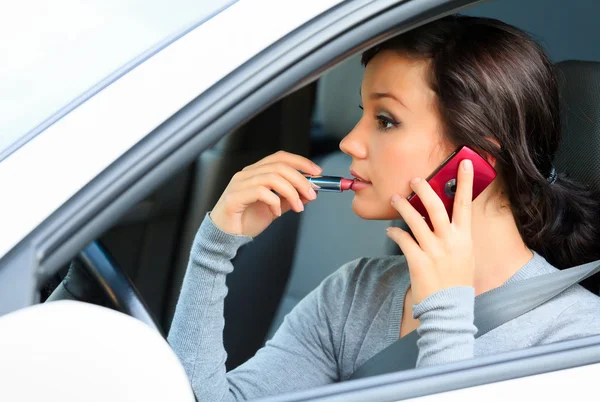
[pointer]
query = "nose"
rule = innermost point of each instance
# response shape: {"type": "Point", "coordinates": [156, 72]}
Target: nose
{"type": "Point", "coordinates": [354, 144]}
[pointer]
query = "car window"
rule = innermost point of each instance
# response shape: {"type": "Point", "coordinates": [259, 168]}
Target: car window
{"type": "Point", "coordinates": [64, 48]}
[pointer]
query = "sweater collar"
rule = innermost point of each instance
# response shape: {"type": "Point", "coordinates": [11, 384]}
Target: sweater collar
{"type": "Point", "coordinates": [537, 265]}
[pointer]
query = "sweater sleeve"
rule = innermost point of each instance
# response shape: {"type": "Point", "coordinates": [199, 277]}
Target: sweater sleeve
{"type": "Point", "coordinates": [299, 356]}
{"type": "Point", "coordinates": [447, 331]}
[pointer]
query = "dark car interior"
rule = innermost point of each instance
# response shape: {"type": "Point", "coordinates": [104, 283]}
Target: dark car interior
{"type": "Point", "coordinates": [152, 241]}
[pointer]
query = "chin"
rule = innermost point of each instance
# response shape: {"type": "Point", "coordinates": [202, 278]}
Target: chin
{"type": "Point", "coordinates": [373, 209]}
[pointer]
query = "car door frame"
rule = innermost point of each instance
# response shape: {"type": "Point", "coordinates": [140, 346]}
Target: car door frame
{"type": "Point", "coordinates": [287, 65]}
{"type": "Point", "coordinates": [293, 61]}
{"type": "Point", "coordinates": [571, 358]}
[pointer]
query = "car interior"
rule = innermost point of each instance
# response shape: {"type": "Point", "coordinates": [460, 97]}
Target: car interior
{"type": "Point", "coordinates": [151, 243]}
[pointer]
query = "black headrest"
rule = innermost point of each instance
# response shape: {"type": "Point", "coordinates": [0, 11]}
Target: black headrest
{"type": "Point", "coordinates": [579, 151]}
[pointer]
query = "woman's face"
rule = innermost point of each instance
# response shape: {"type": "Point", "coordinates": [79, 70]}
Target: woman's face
{"type": "Point", "coordinates": [399, 136]}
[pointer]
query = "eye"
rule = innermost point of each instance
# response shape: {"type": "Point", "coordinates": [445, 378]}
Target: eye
{"type": "Point", "coordinates": [385, 123]}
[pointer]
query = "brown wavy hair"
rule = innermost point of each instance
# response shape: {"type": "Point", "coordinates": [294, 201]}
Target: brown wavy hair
{"type": "Point", "coordinates": [493, 81]}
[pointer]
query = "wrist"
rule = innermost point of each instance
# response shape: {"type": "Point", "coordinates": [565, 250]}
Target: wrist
{"type": "Point", "coordinates": [217, 220]}
{"type": "Point", "coordinates": [420, 293]}
{"type": "Point", "coordinates": [209, 230]}
{"type": "Point", "coordinates": [444, 299]}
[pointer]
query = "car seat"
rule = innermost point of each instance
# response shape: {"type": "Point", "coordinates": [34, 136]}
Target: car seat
{"type": "Point", "coordinates": [579, 151]}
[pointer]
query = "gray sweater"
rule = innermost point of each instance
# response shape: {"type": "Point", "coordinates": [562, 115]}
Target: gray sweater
{"type": "Point", "coordinates": [350, 317]}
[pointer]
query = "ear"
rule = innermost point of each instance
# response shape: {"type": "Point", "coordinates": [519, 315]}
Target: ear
{"type": "Point", "coordinates": [489, 158]}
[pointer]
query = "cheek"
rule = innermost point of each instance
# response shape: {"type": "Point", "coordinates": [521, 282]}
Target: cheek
{"type": "Point", "coordinates": [402, 160]}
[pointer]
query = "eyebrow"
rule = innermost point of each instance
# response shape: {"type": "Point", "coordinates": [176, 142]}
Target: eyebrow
{"type": "Point", "coordinates": [380, 95]}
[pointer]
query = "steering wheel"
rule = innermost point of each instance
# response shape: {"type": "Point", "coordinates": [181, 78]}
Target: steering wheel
{"type": "Point", "coordinates": [94, 276]}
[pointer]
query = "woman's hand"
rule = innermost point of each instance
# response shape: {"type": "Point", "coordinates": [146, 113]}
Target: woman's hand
{"type": "Point", "coordinates": [248, 206]}
{"type": "Point", "coordinates": [441, 258]}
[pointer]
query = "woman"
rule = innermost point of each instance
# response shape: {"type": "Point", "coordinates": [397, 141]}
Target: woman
{"type": "Point", "coordinates": [456, 81]}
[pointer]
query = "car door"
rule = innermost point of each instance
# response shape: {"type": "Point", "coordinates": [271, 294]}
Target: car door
{"type": "Point", "coordinates": [118, 178]}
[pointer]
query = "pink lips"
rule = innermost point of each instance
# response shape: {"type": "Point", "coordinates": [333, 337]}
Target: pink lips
{"type": "Point", "coordinates": [359, 183]}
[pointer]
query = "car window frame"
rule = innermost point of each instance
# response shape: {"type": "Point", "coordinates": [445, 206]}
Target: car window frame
{"type": "Point", "coordinates": [289, 64]}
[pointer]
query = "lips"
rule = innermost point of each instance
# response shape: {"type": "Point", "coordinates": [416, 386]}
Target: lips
{"type": "Point", "coordinates": [359, 183]}
{"type": "Point", "coordinates": [358, 177]}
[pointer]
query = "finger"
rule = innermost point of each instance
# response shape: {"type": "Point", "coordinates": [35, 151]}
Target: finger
{"type": "Point", "coordinates": [296, 161]}
{"type": "Point", "coordinates": [463, 200]}
{"type": "Point", "coordinates": [285, 205]}
{"type": "Point", "coordinates": [250, 195]}
{"type": "Point", "coordinates": [304, 187]}
{"type": "Point", "coordinates": [433, 204]}
{"type": "Point", "coordinates": [275, 182]}
{"type": "Point", "coordinates": [414, 220]}
{"type": "Point", "coordinates": [410, 248]}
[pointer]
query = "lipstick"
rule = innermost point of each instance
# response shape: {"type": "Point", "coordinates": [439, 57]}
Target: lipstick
{"type": "Point", "coordinates": [331, 183]}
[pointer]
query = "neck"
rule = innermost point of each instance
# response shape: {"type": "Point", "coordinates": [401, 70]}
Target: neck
{"type": "Point", "coordinates": [498, 247]}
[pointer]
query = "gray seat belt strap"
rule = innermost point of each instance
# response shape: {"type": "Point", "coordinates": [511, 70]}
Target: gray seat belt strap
{"type": "Point", "coordinates": [507, 302]}
{"type": "Point", "coordinates": [492, 309]}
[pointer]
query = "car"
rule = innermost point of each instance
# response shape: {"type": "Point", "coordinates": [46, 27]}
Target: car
{"type": "Point", "coordinates": [110, 175]}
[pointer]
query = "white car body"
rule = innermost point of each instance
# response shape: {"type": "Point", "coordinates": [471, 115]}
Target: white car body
{"type": "Point", "coordinates": [44, 173]}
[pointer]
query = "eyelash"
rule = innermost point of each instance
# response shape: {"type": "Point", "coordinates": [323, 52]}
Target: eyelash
{"type": "Point", "coordinates": [385, 120]}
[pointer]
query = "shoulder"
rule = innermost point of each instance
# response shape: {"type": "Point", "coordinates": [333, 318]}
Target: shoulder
{"type": "Point", "coordinates": [573, 314]}
{"type": "Point", "coordinates": [581, 304]}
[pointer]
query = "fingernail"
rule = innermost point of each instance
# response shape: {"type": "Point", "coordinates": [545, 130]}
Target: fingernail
{"type": "Point", "coordinates": [415, 180]}
{"type": "Point", "coordinates": [300, 205]}
{"type": "Point", "coordinates": [314, 185]}
{"type": "Point", "coordinates": [388, 229]}
{"type": "Point", "coordinates": [467, 165]}
{"type": "Point", "coordinates": [317, 167]}
{"type": "Point", "coordinates": [312, 193]}
{"type": "Point", "coordinates": [395, 198]}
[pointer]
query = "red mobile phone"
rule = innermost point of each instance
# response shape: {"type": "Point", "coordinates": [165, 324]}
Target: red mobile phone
{"type": "Point", "coordinates": [443, 179]}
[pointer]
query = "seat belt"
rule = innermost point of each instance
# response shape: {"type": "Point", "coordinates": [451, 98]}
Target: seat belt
{"type": "Point", "coordinates": [492, 309]}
